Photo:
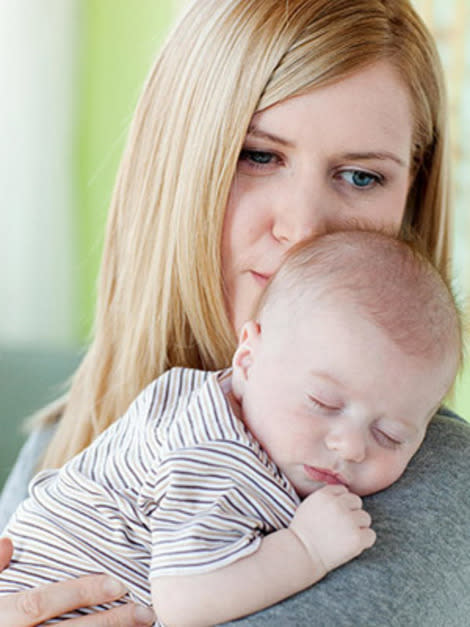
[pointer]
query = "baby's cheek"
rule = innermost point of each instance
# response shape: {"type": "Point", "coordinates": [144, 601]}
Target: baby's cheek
{"type": "Point", "coordinates": [379, 476]}
{"type": "Point", "coordinates": [389, 473]}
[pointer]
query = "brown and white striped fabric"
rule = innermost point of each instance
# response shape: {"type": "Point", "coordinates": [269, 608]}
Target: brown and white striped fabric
{"type": "Point", "coordinates": [176, 486]}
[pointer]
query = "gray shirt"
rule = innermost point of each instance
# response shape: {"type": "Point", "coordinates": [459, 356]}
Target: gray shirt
{"type": "Point", "coordinates": [418, 572]}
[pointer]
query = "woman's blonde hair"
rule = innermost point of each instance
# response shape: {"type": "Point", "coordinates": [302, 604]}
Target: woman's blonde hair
{"type": "Point", "coordinates": [160, 296]}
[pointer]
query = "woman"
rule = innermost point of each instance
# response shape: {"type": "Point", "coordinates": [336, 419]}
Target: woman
{"type": "Point", "coordinates": [262, 123]}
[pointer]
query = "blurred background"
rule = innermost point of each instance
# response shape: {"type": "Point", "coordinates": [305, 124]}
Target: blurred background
{"type": "Point", "coordinates": [71, 72]}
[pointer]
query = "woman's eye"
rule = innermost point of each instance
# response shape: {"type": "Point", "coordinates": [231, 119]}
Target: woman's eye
{"type": "Point", "coordinates": [360, 179]}
{"type": "Point", "coordinates": [385, 440]}
{"type": "Point", "coordinates": [258, 158]}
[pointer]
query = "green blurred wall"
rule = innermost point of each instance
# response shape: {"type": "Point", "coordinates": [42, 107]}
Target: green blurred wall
{"type": "Point", "coordinates": [461, 399]}
{"type": "Point", "coordinates": [118, 40]}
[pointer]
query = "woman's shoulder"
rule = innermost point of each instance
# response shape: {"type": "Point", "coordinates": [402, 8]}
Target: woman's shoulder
{"type": "Point", "coordinates": [439, 472]}
{"type": "Point", "coordinates": [448, 436]}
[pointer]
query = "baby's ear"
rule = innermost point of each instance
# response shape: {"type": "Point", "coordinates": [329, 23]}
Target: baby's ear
{"type": "Point", "coordinates": [244, 356]}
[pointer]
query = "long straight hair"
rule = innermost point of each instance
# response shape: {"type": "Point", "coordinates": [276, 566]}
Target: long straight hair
{"type": "Point", "coordinates": [160, 295]}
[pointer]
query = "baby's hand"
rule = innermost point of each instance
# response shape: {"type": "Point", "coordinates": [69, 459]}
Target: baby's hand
{"type": "Point", "coordinates": [333, 526]}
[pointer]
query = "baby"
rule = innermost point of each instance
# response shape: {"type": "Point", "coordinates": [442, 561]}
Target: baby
{"type": "Point", "coordinates": [220, 493]}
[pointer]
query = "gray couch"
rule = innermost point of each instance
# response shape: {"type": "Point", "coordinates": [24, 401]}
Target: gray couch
{"type": "Point", "coordinates": [29, 378]}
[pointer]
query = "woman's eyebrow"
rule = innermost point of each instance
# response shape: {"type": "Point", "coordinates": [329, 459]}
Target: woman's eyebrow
{"type": "Point", "coordinates": [382, 155]}
{"type": "Point", "coordinates": [372, 155]}
{"type": "Point", "coordinates": [255, 131]}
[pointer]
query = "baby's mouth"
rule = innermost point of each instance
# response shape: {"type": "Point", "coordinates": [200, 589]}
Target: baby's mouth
{"type": "Point", "coordinates": [324, 475]}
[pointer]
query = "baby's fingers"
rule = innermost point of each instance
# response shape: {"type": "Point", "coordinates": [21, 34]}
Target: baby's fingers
{"type": "Point", "coordinates": [369, 537]}
{"type": "Point", "coordinates": [362, 518]}
{"type": "Point", "coordinates": [351, 500]}
{"type": "Point", "coordinates": [360, 539]}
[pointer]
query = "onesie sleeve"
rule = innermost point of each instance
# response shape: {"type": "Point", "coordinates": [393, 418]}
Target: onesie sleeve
{"type": "Point", "coordinates": [217, 501]}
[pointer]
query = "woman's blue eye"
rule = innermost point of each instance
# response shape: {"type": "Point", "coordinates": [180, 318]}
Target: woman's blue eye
{"type": "Point", "coordinates": [257, 157]}
{"type": "Point", "coordinates": [360, 179]}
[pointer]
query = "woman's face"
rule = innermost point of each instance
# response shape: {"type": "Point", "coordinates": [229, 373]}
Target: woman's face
{"type": "Point", "coordinates": [311, 163]}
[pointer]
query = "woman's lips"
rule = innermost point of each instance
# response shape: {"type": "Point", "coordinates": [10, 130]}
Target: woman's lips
{"type": "Point", "coordinates": [324, 476]}
{"type": "Point", "coordinates": [260, 278]}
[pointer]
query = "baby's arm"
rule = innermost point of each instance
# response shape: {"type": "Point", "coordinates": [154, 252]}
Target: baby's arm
{"type": "Point", "coordinates": [329, 528]}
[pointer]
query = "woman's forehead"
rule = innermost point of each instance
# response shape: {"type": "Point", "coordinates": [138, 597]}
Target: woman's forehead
{"type": "Point", "coordinates": [365, 109]}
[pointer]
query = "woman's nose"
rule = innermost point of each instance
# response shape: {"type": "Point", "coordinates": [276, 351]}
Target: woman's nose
{"type": "Point", "coordinates": [348, 441]}
{"type": "Point", "coordinates": [300, 213]}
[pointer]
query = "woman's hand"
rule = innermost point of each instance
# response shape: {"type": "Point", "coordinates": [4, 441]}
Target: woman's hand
{"type": "Point", "coordinates": [32, 607]}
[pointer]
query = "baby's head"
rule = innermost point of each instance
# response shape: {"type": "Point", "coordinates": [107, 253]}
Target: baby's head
{"type": "Point", "coordinates": [354, 345]}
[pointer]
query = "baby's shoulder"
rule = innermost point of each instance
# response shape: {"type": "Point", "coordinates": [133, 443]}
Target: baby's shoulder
{"type": "Point", "coordinates": [195, 410]}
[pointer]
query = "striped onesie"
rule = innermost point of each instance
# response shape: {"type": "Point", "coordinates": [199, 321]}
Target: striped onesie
{"type": "Point", "coordinates": [178, 485]}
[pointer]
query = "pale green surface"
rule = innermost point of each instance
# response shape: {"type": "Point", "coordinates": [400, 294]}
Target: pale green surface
{"type": "Point", "coordinates": [118, 40]}
{"type": "Point", "coordinates": [461, 403]}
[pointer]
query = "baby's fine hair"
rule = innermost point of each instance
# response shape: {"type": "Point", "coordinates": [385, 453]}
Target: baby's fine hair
{"type": "Point", "coordinates": [390, 280]}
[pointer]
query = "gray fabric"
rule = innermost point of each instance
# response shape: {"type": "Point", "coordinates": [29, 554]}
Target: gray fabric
{"type": "Point", "coordinates": [30, 377]}
{"type": "Point", "coordinates": [417, 574]}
